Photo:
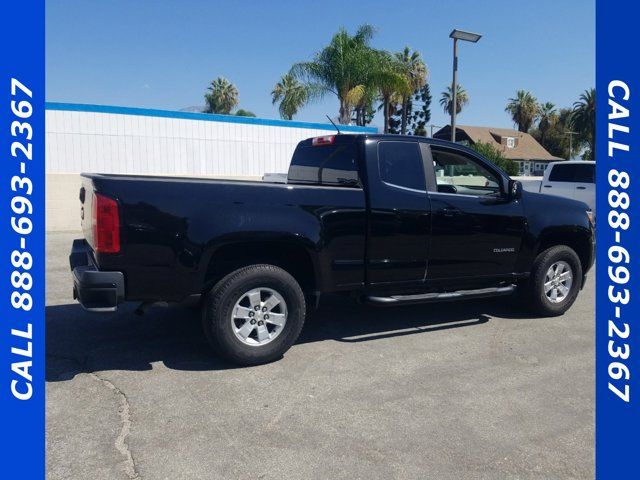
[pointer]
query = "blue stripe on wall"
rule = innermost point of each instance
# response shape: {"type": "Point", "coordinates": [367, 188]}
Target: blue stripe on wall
{"type": "Point", "coordinates": [210, 117]}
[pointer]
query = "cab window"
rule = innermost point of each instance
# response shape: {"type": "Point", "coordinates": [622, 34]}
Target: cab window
{"type": "Point", "coordinates": [400, 165]}
{"type": "Point", "coordinates": [461, 174]}
{"type": "Point", "coordinates": [331, 165]}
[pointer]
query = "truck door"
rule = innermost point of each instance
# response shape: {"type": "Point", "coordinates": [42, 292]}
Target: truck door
{"type": "Point", "coordinates": [560, 181]}
{"type": "Point", "coordinates": [476, 229]}
{"type": "Point", "coordinates": [400, 215]}
{"type": "Point", "coordinates": [585, 186]}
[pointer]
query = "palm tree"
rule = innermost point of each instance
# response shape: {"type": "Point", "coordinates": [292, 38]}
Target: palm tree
{"type": "Point", "coordinates": [291, 94]}
{"type": "Point", "coordinates": [583, 118]}
{"type": "Point", "coordinates": [222, 96]}
{"type": "Point", "coordinates": [388, 76]}
{"type": "Point", "coordinates": [364, 110]}
{"type": "Point", "coordinates": [523, 109]}
{"type": "Point", "coordinates": [556, 140]}
{"type": "Point", "coordinates": [547, 117]}
{"type": "Point", "coordinates": [462, 98]}
{"type": "Point", "coordinates": [342, 68]}
{"type": "Point", "coordinates": [416, 73]}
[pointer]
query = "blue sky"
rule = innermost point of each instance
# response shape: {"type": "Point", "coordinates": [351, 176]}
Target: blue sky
{"type": "Point", "coordinates": [163, 54]}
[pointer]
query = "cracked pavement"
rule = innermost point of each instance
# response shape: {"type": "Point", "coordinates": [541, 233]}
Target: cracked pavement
{"type": "Point", "coordinates": [461, 390]}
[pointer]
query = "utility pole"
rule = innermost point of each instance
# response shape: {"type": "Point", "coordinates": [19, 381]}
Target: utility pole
{"type": "Point", "coordinates": [432, 127]}
{"type": "Point", "coordinates": [571, 134]}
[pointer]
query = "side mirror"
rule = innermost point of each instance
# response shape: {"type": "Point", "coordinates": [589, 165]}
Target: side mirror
{"type": "Point", "coordinates": [515, 190]}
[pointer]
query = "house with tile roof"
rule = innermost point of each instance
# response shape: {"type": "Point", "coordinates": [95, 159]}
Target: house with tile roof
{"type": "Point", "coordinates": [522, 148]}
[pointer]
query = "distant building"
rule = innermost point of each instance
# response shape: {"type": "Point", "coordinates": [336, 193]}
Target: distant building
{"type": "Point", "coordinates": [531, 157]}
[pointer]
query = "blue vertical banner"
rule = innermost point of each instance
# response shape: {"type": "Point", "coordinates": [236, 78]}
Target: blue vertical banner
{"type": "Point", "coordinates": [22, 229]}
{"type": "Point", "coordinates": [617, 234]}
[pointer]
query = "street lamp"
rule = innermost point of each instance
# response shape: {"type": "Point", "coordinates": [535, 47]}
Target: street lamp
{"type": "Point", "coordinates": [467, 37]}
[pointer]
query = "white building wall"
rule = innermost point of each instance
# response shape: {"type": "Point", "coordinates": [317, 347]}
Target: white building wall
{"type": "Point", "coordinates": [80, 141]}
{"type": "Point", "coordinates": [100, 139]}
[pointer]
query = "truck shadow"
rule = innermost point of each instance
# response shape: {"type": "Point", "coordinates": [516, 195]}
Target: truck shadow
{"type": "Point", "coordinates": [79, 342]}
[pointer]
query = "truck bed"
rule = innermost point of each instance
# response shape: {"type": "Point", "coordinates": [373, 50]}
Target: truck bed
{"type": "Point", "coordinates": [171, 227]}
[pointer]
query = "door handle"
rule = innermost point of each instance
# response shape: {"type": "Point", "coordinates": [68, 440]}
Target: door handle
{"type": "Point", "coordinates": [450, 211]}
{"type": "Point", "coordinates": [581, 188]}
{"type": "Point", "coordinates": [547, 186]}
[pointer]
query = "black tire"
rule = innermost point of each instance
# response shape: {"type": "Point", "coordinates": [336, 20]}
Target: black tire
{"type": "Point", "coordinates": [219, 303]}
{"type": "Point", "coordinates": [533, 291]}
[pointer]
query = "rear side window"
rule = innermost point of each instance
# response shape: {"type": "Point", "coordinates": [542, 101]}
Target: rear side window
{"type": "Point", "coordinates": [400, 165]}
{"type": "Point", "coordinates": [334, 165]}
{"type": "Point", "coordinates": [573, 172]}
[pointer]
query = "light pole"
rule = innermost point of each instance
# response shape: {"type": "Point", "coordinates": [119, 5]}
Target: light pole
{"type": "Point", "coordinates": [467, 37]}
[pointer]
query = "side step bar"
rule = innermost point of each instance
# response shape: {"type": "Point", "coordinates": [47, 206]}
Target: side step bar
{"type": "Point", "coordinates": [441, 296]}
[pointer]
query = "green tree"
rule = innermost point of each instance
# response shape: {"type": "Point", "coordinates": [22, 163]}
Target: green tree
{"type": "Point", "coordinates": [415, 72]}
{"type": "Point", "coordinates": [583, 119]}
{"type": "Point", "coordinates": [364, 110]}
{"type": "Point", "coordinates": [343, 68]}
{"type": "Point", "coordinates": [546, 118]}
{"type": "Point", "coordinates": [556, 140]}
{"type": "Point", "coordinates": [244, 113]}
{"type": "Point", "coordinates": [421, 116]}
{"type": "Point", "coordinates": [222, 96]}
{"type": "Point", "coordinates": [355, 72]}
{"type": "Point", "coordinates": [395, 117]}
{"type": "Point", "coordinates": [419, 113]}
{"type": "Point", "coordinates": [523, 110]}
{"type": "Point", "coordinates": [462, 99]}
{"type": "Point", "coordinates": [290, 94]}
{"type": "Point", "coordinates": [389, 78]}
{"type": "Point", "coordinates": [495, 156]}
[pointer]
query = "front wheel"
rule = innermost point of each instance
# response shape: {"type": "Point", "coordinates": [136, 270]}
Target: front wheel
{"type": "Point", "coordinates": [254, 315]}
{"type": "Point", "coordinates": [554, 282]}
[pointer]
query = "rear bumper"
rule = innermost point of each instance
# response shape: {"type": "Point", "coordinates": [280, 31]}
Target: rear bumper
{"type": "Point", "coordinates": [97, 291]}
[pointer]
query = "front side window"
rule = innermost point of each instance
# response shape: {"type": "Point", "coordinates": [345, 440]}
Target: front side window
{"type": "Point", "coordinates": [462, 174]}
{"type": "Point", "coordinates": [400, 165]}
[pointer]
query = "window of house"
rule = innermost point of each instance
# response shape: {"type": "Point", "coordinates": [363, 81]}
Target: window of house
{"type": "Point", "coordinates": [511, 142]}
{"type": "Point", "coordinates": [538, 167]}
{"type": "Point", "coordinates": [462, 174]}
{"type": "Point", "coordinates": [400, 165]}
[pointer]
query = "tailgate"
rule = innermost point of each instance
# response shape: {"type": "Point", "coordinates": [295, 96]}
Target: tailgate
{"type": "Point", "coordinates": [86, 209]}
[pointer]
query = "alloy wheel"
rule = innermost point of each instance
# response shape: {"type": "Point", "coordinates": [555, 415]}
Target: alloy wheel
{"type": "Point", "coordinates": [259, 316]}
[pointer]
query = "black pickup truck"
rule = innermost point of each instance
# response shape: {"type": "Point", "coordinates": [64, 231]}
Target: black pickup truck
{"type": "Point", "coordinates": [388, 219]}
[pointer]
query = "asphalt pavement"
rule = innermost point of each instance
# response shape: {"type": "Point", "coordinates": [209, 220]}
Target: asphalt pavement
{"type": "Point", "coordinates": [465, 390]}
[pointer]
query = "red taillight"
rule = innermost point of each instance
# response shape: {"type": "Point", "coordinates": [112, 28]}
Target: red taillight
{"type": "Point", "coordinates": [326, 140]}
{"type": "Point", "coordinates": [106, 224]}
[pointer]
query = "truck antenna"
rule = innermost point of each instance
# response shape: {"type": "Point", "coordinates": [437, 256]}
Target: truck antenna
{"type": "Point", "coordinates": [339, 132]}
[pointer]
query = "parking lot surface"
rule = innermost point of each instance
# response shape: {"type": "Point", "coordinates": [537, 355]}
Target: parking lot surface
{"type": "Point", "coordinates": [466, 390]}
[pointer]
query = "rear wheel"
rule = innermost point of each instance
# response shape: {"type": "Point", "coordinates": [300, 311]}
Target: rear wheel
{"type": "Point", "coordinates": [554, 282]}
{"type": "Point", "coordinates": [254, 315]}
